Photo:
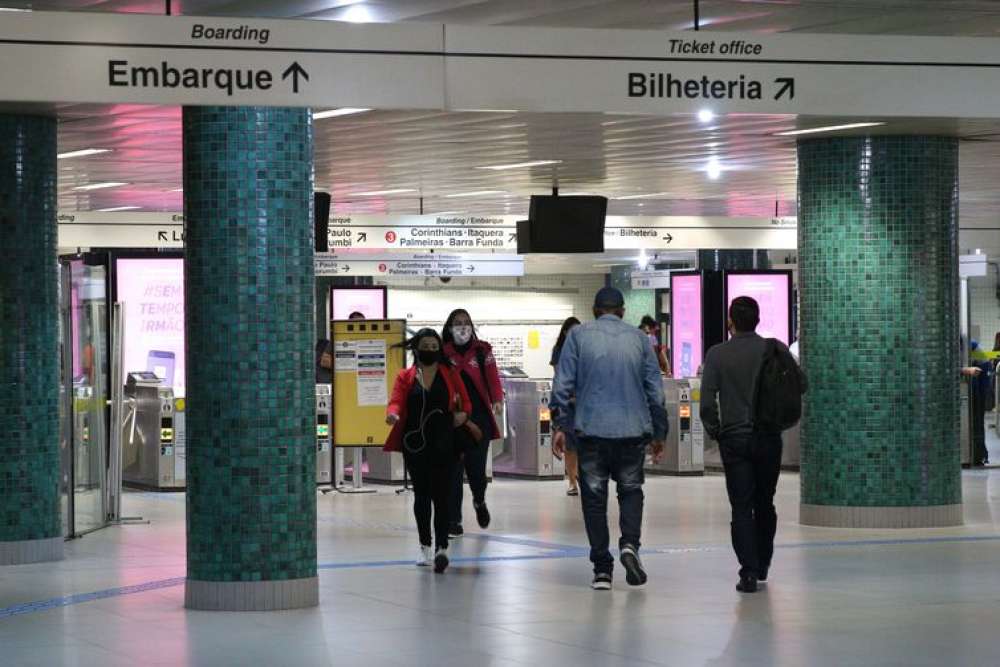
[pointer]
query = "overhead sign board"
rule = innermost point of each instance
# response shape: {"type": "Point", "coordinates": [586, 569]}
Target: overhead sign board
{"type": "Point", "coordinates": [121, 230]}
{"type": "Point", "coordinates": [499, 233]}
{"type": "Point", "coordinates": [652, 279]}
{"type": "Point", "coordinates": [111, 58]}
{"type": "Point", "coordinates": [421, 265]}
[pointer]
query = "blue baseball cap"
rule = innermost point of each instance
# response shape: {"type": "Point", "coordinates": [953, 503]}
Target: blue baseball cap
{"type": "Point", "coordinates": [609, 297]}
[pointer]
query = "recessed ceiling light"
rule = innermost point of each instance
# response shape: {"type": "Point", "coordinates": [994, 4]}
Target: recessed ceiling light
{"type": "Point", "coordinates": [117, 208]}
{"type": "Point", "coordinates": [343, 111]}
{"type": "Point", "coordinates": [706, 115]}
{"type": "Point", "coordinates": [647, 195]}
{"type": "Point", "coordinates": [359, 13]}
{"type": "Point", "coordinates": [14, 9]}
{"type": "Point", "coordinates": [378, 193]}
{"type": "Point", "coordinates": [83, 153]}
{"type": "Point", "coordinates": [447, 212]}
{"type": "Point", "coordinates": [477, 193]}
{"type": "Point", "coordinates": [713, 169]}
{"type": "Point", "coordinates": [178, 190]}
{"type": "Point", "coordinates": [100, 186]}
{"type": "Point", "coordinates": [827, 128]}
{"type": "Point", "coordinates": [518, 165]}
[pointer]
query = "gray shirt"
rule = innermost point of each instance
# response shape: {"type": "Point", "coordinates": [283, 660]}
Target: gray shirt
{"type": "Point", "coordinates": [730, 377]}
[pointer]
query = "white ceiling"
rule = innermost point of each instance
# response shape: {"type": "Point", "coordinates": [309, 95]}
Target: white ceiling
{"type": "Point", "coordinates": [436, 153]}
{"type": "Point", "coordinates": [901, 17]}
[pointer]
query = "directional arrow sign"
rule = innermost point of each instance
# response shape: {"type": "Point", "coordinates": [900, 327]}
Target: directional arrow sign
{"type": "Point", "coordinates": [161, 236]}
{"type": "Point", "coordinates": [668, 238]}
{"type": "Point", "coordinates": [787, 86]}
{"type": "Point", "coordinates": [362, 237]}
{"type": "Point", "coordinates": [295, 71]}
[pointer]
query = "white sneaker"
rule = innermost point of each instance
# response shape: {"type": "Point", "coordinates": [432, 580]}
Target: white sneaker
{"type": "Point", "coordinates": [425, 557]}
{"type": "Point", "coordinates": [441, 561]}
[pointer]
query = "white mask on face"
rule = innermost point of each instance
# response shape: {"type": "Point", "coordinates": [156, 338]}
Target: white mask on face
{"type": "Point", "coordinates": [462, 334]}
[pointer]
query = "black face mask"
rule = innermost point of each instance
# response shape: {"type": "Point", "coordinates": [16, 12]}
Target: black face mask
{"type": "Point", "coordinates": [428, 357]}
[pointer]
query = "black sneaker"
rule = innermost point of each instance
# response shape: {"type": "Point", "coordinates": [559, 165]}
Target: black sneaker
{"type": "Point", "coordinates": [747, 585]}
{"type": "Point", "coordinates": [601, 582]}
{"type": "Point", "coordinates": [441, 561]}
{"type": "Point", "coordinates": [762, 575]}
{"type": "Point", "coordinates": [456, 530]}
{"type": "Point", "coordinates": [482, 515]}
{"type": "Point", "coordinates": [635, 575]}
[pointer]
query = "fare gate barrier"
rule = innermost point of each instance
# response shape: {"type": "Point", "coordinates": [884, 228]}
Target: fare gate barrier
{"type": "Point", "coordinates": [527, 446]}
{"type": "Point", "coordinates": [684, 452]}
{"type": "Point", "coordinates": [154, 440]}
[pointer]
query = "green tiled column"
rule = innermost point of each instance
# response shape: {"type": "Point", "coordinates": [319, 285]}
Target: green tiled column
{"type": "Point", "coordinates": [251, 480]}
{"type": "Point", "coordinates": [878, 238]}
{"type": "Point", "coordinates": [30, 523]}
{"type": "Point", "coordinates": [638, 302]}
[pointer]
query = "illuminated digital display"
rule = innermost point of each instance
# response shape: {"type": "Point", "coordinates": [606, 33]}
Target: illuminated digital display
{"type": "Point", "coordinates": [686, 324]}
{"type": "Point", "coordinates": [772, 293]}
{"type": "Point", "coordinates": [370, 302]}
{"type": "Point", "coordinates": [152, 291]}
{"type": "Point", "coordinates": [322, 430]}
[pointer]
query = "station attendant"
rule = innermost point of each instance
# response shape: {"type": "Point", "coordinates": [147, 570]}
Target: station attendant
{"type": "Point", "coordinates": [428, 407]}
{"type": "Point", "coordinates": [572, 463]}
{"type": "Point", "coordinates": [476, 365]}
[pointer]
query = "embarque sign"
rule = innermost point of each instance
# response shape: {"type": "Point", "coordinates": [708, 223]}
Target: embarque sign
{"type": "Point", "coordinates": [53, 57]}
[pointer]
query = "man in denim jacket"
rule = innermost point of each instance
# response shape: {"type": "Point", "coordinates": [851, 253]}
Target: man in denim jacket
{"type": "Point", "coordinates": [611, 370]}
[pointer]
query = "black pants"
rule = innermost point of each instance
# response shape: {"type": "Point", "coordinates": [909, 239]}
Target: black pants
{"type": "Point", "coordinates": [473, 465]}
{"type": "Point", "coordinates": [622, 461]}
{"type": "Point", "coordinates": [431, 478]}
{"type": "Point", "coordinates": [977, 422]}
{"type": "Point", "coordinates": [752, 463]}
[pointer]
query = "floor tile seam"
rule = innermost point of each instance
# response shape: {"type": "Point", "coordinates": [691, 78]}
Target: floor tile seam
{"type": "Point", "coordinates": [578, 647]}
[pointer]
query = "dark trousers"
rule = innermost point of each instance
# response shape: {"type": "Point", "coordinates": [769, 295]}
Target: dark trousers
{"type": "Point", "coordinates": [473, 465]}
{"type": "Point", "coordinates": [622, 461]}
{"type": "Point", "coordinates": [977, 421]}
{"type": "Point", "coordinates": [752, 463]}
{"type": "Point", "coordinates": [431, 477]}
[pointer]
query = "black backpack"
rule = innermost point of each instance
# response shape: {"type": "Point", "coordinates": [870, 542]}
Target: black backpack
{"type": "Point", "coordinates": [777, 403]}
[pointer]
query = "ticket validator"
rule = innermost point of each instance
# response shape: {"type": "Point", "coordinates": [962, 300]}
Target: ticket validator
{"type": "Point", "coordinates": [153, 434]}
{"type": "Point", "coordinates": [527, 446]}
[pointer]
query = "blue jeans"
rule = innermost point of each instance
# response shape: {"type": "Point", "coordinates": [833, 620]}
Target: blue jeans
{"type": "Point", "coordinates": [622, 461]}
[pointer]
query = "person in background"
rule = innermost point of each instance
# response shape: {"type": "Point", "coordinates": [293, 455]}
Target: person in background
{"type": "Point", "coordinates": [429, 404]}
{"type": "Point", "coordinates": [356, 316]}
{"type": "Point", "coordinates": [652, 331]}
{"type": "Point", "coordinates": [996, 342]}
{"type": "Point", "coordinates": [751, 458]}
{"type": "Point", "coordinates": [324, 361]}
{"type": "Point", "coordinates": [474, 361]}
{"type": "Point", "coordinates": [572, 464]}
{"type": "Point", "coordinates": [608, 390]}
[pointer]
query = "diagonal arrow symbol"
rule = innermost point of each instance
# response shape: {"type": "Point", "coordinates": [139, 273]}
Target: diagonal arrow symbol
{"type": "Point", "coordinates": [788, 85]}
{"type": "Point", "coordinates": [161, 236]}
{"type": "Point", "coordinates": [295, 71]}
{"type": "Point", "coordinates": [362, 237]}
{"type": "Point", "coordinates": [513, 238]}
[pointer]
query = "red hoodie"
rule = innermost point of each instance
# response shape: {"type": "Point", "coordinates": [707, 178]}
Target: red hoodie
{"type": "Point", "coordinates": [490, 391]}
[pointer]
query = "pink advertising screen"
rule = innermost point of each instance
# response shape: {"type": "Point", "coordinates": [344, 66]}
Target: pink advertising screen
{"type": "Point", "coordinates": [685, 324]}
{"type": "Point", "coordinates": [370, 302]}
{"type": "Point", "coordinates": [153, 293]}
{"type": "Point", "coordinates": [771, 290]}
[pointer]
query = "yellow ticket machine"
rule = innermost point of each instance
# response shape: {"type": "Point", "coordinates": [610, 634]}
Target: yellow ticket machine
{"type": "Point", "coordinates": [367, 357]}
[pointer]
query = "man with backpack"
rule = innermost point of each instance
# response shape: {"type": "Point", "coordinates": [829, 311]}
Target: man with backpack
{"type": "Point", "coordinates": [759, 387]}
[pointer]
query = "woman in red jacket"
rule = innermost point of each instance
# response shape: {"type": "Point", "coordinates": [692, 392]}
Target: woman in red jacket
{"type": "Point", "coordinates": [473, 359]}
{"type": "Point", "coordinates": [428, 404]}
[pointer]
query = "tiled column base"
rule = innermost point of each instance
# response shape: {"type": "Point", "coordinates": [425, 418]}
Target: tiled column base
{"type": "Point", "coordinates": [831, 516]}
{"type": "Point", "coordinates": [251, 595]}
{"type": "Point", "coordinates": [31, 551]}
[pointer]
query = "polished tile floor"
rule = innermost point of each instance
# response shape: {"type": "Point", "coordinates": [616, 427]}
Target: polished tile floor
{"type": "Point", "coordinates": [518, 594]}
